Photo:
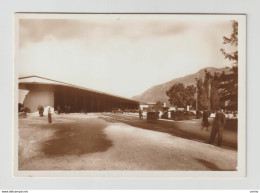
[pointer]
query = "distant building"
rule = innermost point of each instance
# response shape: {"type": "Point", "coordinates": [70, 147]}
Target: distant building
{"type": "Point", "coordinates": [47, 92]}
{"type": "Point", "coordinates": [144, 107]}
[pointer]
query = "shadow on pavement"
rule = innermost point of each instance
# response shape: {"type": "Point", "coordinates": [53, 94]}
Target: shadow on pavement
{"type": "Point", "coordinates": [76, 138]}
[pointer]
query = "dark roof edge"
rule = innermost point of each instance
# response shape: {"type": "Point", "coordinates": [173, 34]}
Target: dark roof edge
{"type": "Point", "coordinates": [79, 87]}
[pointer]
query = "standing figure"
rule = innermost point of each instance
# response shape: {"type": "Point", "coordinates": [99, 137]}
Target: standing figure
{"type": "Point", "coordinates": [140, 114]}
{"type": "Point", "coordinates": [205, 121]}
{"type": "Point", "coordinates": [218, 126]}
{"type": "Point", "coordinates": [39, 110]}
{"type": "Point", "coordinates": [65, 109]}
{"type": "Point", "coordinates": [49, 115]}
{"type": "Point", "coordinates": [58, 109]}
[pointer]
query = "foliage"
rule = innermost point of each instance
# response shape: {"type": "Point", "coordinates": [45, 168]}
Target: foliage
{"type": "Point", "coordinates": [229, 89]}
{"type": "Point", "coordinates": [214, 90]}
{"type": "Point", "coordinates": [182, 115]}
{"type": "Point", "coordinates": [233, 40]}
{"type": "Point", "coordinates": [190, 90]}
{"type": "Point", "coordinates": [229, 81]}
{"type": "Point", "coordinates": [181, 96]}
{"type": "Point", "coordinates": [203, 102]}
{"type": "Point", "coordinates": [214, 93]}
{"type": "Point", "coordinates": [158, 105]}
{"type": "Point", "coordinates": [208, 91]}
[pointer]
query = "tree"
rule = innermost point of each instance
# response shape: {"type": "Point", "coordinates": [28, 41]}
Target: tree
{"type": "Point", "coordinates": [229, 81]}
{"type": "Point", "coordinates": [203, 102]}
{"type": "Point", "coordinates": [233, 40]}
{"type": "Point", "coordinates": [181, 96]}
{"type": "Point", "coordinates": [229, 89]}
{"type": "Point", "coordinates": [208, 91]}
{"type": "Point", "coordinates": [190, 90]}
{"type": "Point", "coordinates": [158, 105]}
{"type": "Point", "coordinates": [214, 92]}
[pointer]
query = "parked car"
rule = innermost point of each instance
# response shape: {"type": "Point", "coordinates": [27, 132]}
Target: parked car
{"type": "Point", "coordinates": [152, 115]}
{"type": "Point", "coordinates": [117, 110]}
{"type": "Point", "coordinates": [165, 115]}
{"type": "Point", "coordinates": [127, 110]}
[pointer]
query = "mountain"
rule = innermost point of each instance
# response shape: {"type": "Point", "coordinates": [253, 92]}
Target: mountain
{"type": "Point", "coordinates": [158, 92]}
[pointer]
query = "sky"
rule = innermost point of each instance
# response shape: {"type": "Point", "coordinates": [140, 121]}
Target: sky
{"type": "Point", "coordinates": [120, 54]}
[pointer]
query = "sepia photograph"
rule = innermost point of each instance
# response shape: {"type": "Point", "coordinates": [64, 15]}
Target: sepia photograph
{"type": "Point", "coordinates": [130, 95]}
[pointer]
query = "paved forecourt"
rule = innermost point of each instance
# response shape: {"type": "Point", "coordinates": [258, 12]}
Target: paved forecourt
{"type": "Point", "coordinates": [106, 141]}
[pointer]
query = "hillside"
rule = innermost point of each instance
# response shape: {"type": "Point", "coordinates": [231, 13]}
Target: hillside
{"type": "Point", "coordinates": [158, 92]}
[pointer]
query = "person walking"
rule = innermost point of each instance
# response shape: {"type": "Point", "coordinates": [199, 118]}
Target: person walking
{"type": "Point", "coordinates": [205, 121]}
{"type": "Point", "coordinates": [39, 110]}
{"type": "Point", "coordinates": [218, 127]}
{"type": "Point", "coordinates": [140, 114]}
{"type": "Point", "coordinates": [49, 116]}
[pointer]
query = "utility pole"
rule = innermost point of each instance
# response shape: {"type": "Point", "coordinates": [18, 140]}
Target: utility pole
{"type": "Point", "coordinates": [155, 95]}
{"type": "Point", "coordinates": [209, 79]}
{"type": "Point", "coordinates": [209, 93]}
{"type": "Point", "coordinates": [196, 94]}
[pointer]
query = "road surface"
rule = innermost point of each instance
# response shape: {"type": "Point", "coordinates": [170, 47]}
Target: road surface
{"type": "Point", "coordinates": [188, 129]}
{"type": "Point", "coordinates": [105, 141]}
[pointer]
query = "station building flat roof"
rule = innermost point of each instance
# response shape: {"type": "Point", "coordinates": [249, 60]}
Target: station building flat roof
{"type": "Point", "coordinates": [25, 82]}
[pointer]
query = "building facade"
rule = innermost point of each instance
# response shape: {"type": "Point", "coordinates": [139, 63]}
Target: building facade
{"type": "Point", "coordinates": [47, 92]}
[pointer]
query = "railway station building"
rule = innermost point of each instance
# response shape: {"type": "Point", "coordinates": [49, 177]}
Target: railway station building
{"type": "Point", "coordinates": [47, 92]}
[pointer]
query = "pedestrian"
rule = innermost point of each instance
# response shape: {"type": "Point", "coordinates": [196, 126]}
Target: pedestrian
{"type": "Point", "coordinates": [58, 109]}
{"type": "Point", "coordinates": [140, 114]}
{"type": "Point", "coordinates": [218, 127]}
{"type": "Point", "coordinates": [205, 121]}
{"type": "Point", "coordinates": [65, 109]}
{"type": "Point", "coordinates": [49, 115]}
{"type": "Point", "coordinates": [41, 111]}
{"type": "Point", "coordinates": [24, 112]}
{"type": "Point", "coordinates": [68, 109]}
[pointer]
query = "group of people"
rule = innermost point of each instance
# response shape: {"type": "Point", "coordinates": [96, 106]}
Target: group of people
{"type": "Point", "coordinates": [217, 126]}
{"type": "Point", "coordinates": [66, 109]}
{"type": "Point", "coordinates": [41, 110]}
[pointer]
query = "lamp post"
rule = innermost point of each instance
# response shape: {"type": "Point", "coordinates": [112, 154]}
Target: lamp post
{"type": "Point", "coordinates": [209, 94]}
{"type": "Point", "coordinates": [209, 77]}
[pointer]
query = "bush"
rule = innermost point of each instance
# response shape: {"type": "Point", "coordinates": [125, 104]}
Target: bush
{"type": "Point", "coordinates": [26, 110]}
{"type": "Point", "coordinates": [190, 115]}
{"type": "Point", "coordinates": [182, 115]}
{"type": "Point", "coordinates": [198, 114]}
{"type": "Point", "coordinates": [177, 115]}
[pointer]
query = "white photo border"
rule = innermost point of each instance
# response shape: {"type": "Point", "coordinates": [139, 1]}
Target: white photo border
{"type": "Point", "coordinates": [250, 8]}
{"type": "Point", "coordinates": [241, 154]}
